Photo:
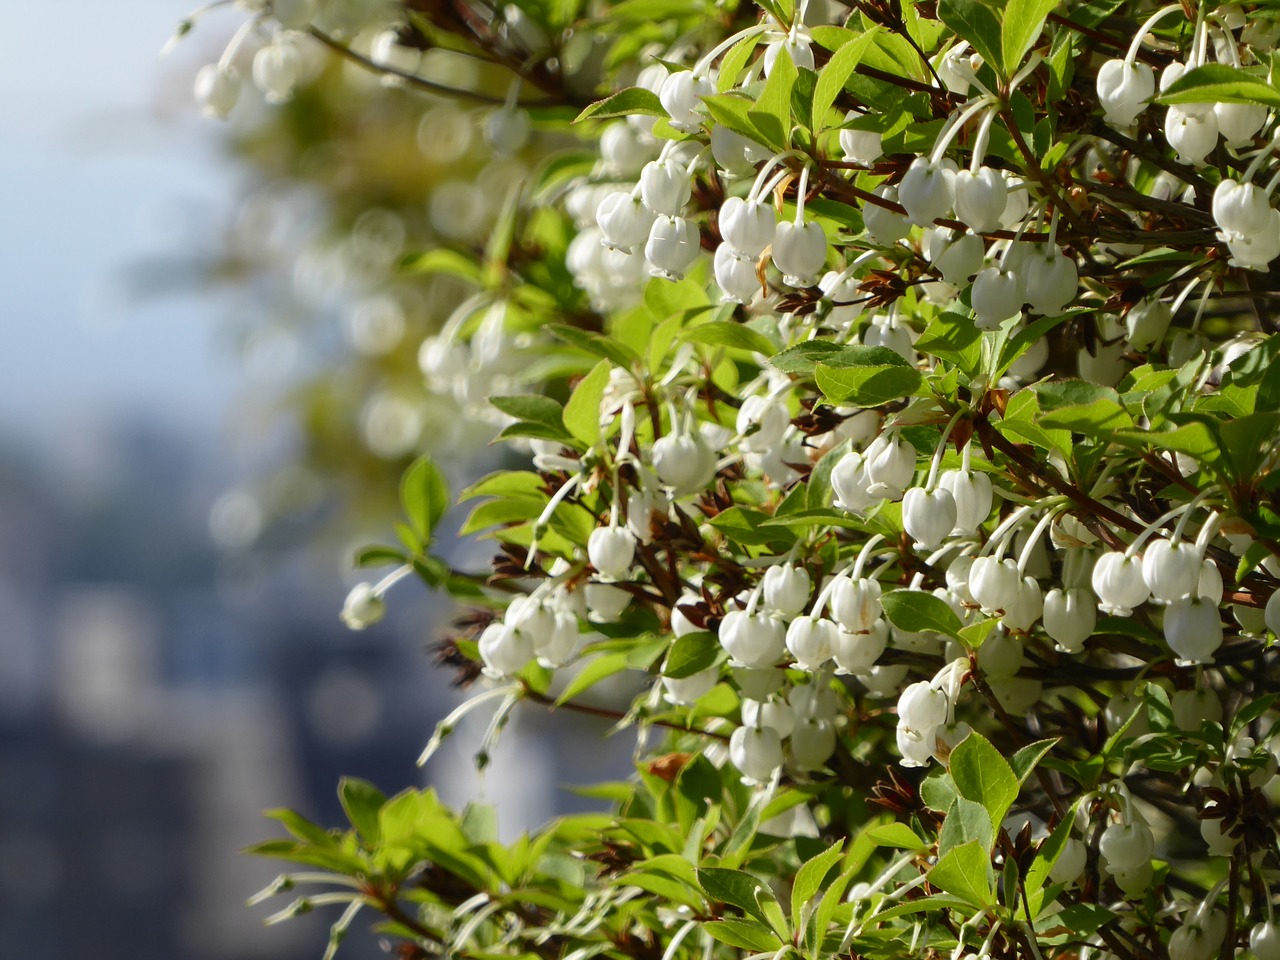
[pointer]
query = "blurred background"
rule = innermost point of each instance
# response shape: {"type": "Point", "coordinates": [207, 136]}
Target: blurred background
{"type": "Point", "coordinates": [210, 387]}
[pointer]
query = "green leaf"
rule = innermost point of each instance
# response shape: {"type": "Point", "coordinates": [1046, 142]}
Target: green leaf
{"type": "Point", "coordinates": [772, 113]}
{"type": "Point", "coordinates": [835, 74]}
{"type": "Point", "coordinates": [734, 887]}
{"type": "Point", "coordinates": [810, 876]}
{"type": "Point", "coordinates": [938, 791]}
{"type": "Point", "coordinates": [965, 872]}
{"type": "Point", "coordinates": [744, 935]}
{"type": "Point", "coordinates": [594, 343]}
{"type": "Point", "coordinates": [954, 338]}
{"type": "Point", "coordinates": [1101, 418]}
{"type": "Point", "coordinates": [1046, 856]}
{"type": "Point", "coordinates": [596, 670]}
{"type": "Point", "coordinates": [918, 612]}
{"type": "Point", "coordinates": [442, 260]}
{"type": "Point", "coordinates": [726, 333]}
{"type": "Point", "coordinates": [532, 408]}
{"type": "Point", "coordinates": [380, 556]}
{"type": "Point", "coordinates": [966, 821]}
{"type": "Point", "coordinates": [869, 386]}
{"type": "Point", "coordinates": [803, 358]}
{"type": "Point", "coordinates": [897, 835]}
{"type": "Point", "coordinates": [733, 62]}
{"type": "Point", "coordinates": [982, 774]}
{"type": "Point", "coordinates": [1220, 83]}
{"type": "Point", "coordinates": [582, 412]}
{"type": "Point", "coordinates": [626, 102]}
{"type": "Point", "coordinates": [361, 802]}
{"type": "Point", "coordinates": [693, 653]}
{"type": "Point", "coordinates": [732, 111]}
{"type": "Point", "coordinates": [1023, 763]}
{"type": "Point", "coordinates": [1021, 25]}
{"type": "Point", "coordinates": [424, 496]}
{"type": "Point", "coordinates": [976, 22]}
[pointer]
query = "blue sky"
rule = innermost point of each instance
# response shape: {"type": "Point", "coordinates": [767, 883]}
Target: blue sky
{"type": "Point", "coordinates": [103, 165]}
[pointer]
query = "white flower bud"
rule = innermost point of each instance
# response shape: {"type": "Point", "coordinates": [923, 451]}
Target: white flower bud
{"type": "Point", "coordinates": [1199, 937]}
{"type": "Point", "coordinates": [606, 601]}
{"type": "Point", "coordinates": [1070, 617]}
{"type": "Point", "coordinates": [756, 751]}
{"type": "Point", "coordinates": [1118, 582]}
{"type": "Point", "coordinates": [752, 640]}
{"type": "Point", "coordinates": [855, 604]}
{"type": "Point", "coordinates": [624, 220]}
{"type": "Point", "coordinates": [981, 197]}
{"type": "Point", "coordinates": [864, 147]}
{"type": "Point", "coordinates": [611, 550]}
{"type": "Point", "coordinates": [672, 246]}
{"type": "Point", "coordinates": [890, 465]}
{"type": "Point", "coordinates": [813, 741]}
{"type": "Point", "coordinates": [857, 652]}
{"type": "Point", "coordinates": [747, 227]}
{"type": "Point", "coordinates": [688, 690]}
{"type": "Point", "coordinates": [811, 641]}
{"type": "Point", "coordinates": [927, 190]}
{"type": "Point", "coordinates": [1241, 208]}
{"type": "Point", "coordinates": [1171, 569]}
{"type": "Point", "coordinates": [1255, 251]}
{"type": "Point", "coordinates": [957, 256]}
{"type": "Point", "coordinates": [732, 152]}
{"type": "Point", "coordinates": [1191, 708]}
{"type": "Point", "coordinates": [217, 89]}
{"type": "Point", "coordinates": [849, 483]}
{"type": "Point", "coordinates": [1146, 323]}
{"type": "Point", "coordinates": [362, 608]}
{"type": "Point", "coordinates": [774, 713]}
{"type": "Point", "coordinates": [1126, 845]}
{"type": "Point", "coordinates": [1191, 129]}
{"type": "Point", "coordinates": [1193, 630]}
{"type": "Point", "coordinates": [681, 97]}
{"type": "Point", "coordinates": [1071, 862]}
{"type": "Point", "coordinates": [973, 495]}
{"type": "Point", "coordinates": [683, 462]}
{"type": "Point", "coordinates": [1028, 604]}
{"type": "Point", "coordinates": [928, 516]}
{"type": "Point", "coordinates": [799, 251]}
{"type": "Point", "coordinates": [665, 187]}
{"type": "Point", "coordinates": [1001, 655]}
{"type": "Point", "coordinates": [1124, 87]}
{"type": "Point", "coordinates": [505, 650]}
{"type": "Point", "coordinates": [786, 589]}
{"type": "Point", "coordinates": [921, 709]}
{"type": "Point", "coordinates": [1239, 123]}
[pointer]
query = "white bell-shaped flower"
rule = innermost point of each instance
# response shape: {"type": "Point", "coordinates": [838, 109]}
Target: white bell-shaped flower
{"type": "Point", "coordinates": [811, 641]}
{"type": "Point", "coordinates": [386, 50]}
{"type": "Point", "coordinates": [1191, 129]}
{"type": "Point", "coordinates": [277, 68]}
{"type": "Point", "coordinates": [1239, 123]}
{"type": "Point", "coordinates": [681, 96]}
{"type": "Point", "coordinates": [1191, 708]}
{"type": "Point", "coordinates": [1127, 844]}
{"type": "Point", "coordinates": [672, 246]}
{"type": "Point", "coordinates": [1209, 585]}
{"type": "Point", "coordinates": [774, 712]}
{"type": "Point", "coordinates": [558, 646]}
{"type": "Point", "coordinates": [957, 256]}
{"type": "Point", "coordinates": [623, 151]}
{"type": "Point", "coordinates": [1271, 613]}
{"type": "Point", "coordinates": [1070, 617]}
{"type": "Point", "coordinates": [1193, 630]}
{"type": "Point", "coordinates": [763, 421]}
{"type": "Point", "coordinates": [799, 251]}
{"type": "Point", "coordinates": [980, 198]}
{"type": "Point", "coordinates": [994, 583]}
{"type": "Point", "coordinates": [611, 550]}
{"type": "Point", "coordinates": [752, 640]}
{"type": "Point", "coordinates": [856, 653]}
{"type": "Point", "coordinates": [683, 462]}
{"type": "Point", "coordinates": [927, 190]}
{"type": "Point", "coordinates": [863, 147]}
{"type": "Point", "coordinates": [1241, 208]}
{"type": "Point", "coordinates": [1072, 859]}
{"type": "Point", "coordinates": [732, 152]}
{"type": "Point", "coordinates": [1018, 204]}
{"type": "Point", "coordinates": [1264, 940]}
{"type": "Point", "coordinates": [958, 578]}
{"type": "Point", "coordinates": [747, 226]}
{"type": "Point", "coordinates": [928, 516]}
{"type": "Point", "coordinates": [813, 741]}
{"type": "Point", "coordinates": [624, 220]}
{"type": "Point", "coordinates": [849, 483]}
{"type": "Point", "coordinates": [889, 331]}
{"type": "Point", "coordinates": [506, 131]}
{"type": "Point", "coordinates": [605, 601]}
{"type": "Point", "coordinates": [855, 604]}
{"type": "Point", "coordinates": [997, 295]}
{"type": "Point", "coordinates": [798, 48]}
{"type": "Point", "coordinates": [1171, 569]}
{"type": "Point", "coordinates": [1255, 251]}
{"type": "Point", "coordinates": [846, 297]}
{"type": "Point", "coordinates": [891, 464]}
{"type": "Point", "coordinates": [1200, 936]}
{"type": "Point", "coordinates": [1001, 655]}
{"type": "Point", "coordinates": [1146, 323]}
{"type": "Point", "coordinates": [504, 650]}
{"type": "Point", "coordinates": [955, 68]}
{"type": "Point", "coordinates": [665, 187]}
{"type": "Point", "coordinates": [815, 699]}
{"type": "Point", "coordinates": [1051, 280]}
{"type": "Point", "coordinates": [1027, 606]}
{"type": "Point", "coordinates": [1118, 583]}
{"type": "Point", "coordinates": [755, 751]}
{"type": "Point", "coordinates": [686, 691]}
{"type": "Point", "coordinates": [1124, 88]}
{"type": "Point", "coordinates": [787, 588]}
{"type": "Point", "coordinates": [217, 88]}
{"type": "Point", "coordinates": [363, 607]}
{"type": "Point", "coordinates": [885, 226]}
{"type": "Point", "coordinates": [973, 495]}
{"type": "Point", "coordinates": [921, 709]}
{"type": "Point", "coordinates": [736, 275]}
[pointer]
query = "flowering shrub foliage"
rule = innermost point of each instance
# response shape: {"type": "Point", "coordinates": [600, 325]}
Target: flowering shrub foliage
{"type": "Point", "coordinates": [896, 390]}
